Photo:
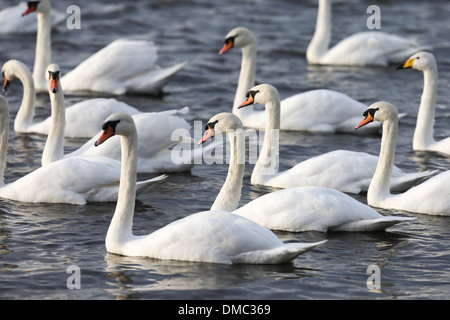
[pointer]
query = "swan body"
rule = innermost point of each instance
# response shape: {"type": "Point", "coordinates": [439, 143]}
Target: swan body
{"type": "Point", "coordinates": [361, 49]}
{"type": "Point", "coordinates": [83, 118]}
{"type": "Point", "coordinates": [423, 139]}
{"type": "Point", "coordinates": [430, 197]}
{"type": "Point", "coordinates": [11, 21]}
{"type": "Point", "coordinates": [346, 171]}
{"type": "Point", "coordinates": [155, 136]}
{"type": "Point", "coordinates": [318, 110]}
{"type": "Point", "coordinates": [107, 71]}
{"type": "Point", "coordinates": [294, 209]}
{"type": "Point", "coordinates": [76, 180]}
{"type": "Point", "coordinates": [198, 237]}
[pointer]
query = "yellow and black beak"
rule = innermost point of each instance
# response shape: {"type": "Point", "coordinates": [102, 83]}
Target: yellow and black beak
{"type": "Point", "coordinates": [369, 116]}
{"type": "Point", "coordinates": [407, 65]}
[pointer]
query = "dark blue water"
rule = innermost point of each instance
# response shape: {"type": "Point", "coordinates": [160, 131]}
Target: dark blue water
{"type": "Point", "coordinates": [38, 242]}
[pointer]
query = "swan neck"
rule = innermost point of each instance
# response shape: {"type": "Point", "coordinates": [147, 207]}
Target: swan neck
{"type": "Point", "coordinates": [267, 164]}
{"type": "Point", "coordinates": [322, 35]}
{"type": "Point", "coordinates": [424, 131]}
{"type": "Point", "coordinates": [4, 137]}
{"type": "Point", "coordinates": [25, 114]}
{"type": "Point", "coordinates": [246, 79]}
{"type": "Point", "coordinates": [230, 193]}
{"type": "Point", "coordinates": [54, 146]}
{"type": "Point", "coordinates": [121, 227]}
{"type": "Point", "coordinates": [380, 185]}
{"type": "Point", "coordinates": [43, 49]}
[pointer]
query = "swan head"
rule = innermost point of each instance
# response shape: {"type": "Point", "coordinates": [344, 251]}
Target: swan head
{"type": "Point", "coordinates": [220, 124]}
{"type": "Point", "coordinates": [379, 111]}
{"type": "Point", "coordinates": [260, 94]}
{"type": "Point", "coordinates": [12, 69]}
{"type": "Point", "coordinates": [421, 60]}
{"type": "Point", "coordinates": [53, 74]}
{"type": "Point", "coordinates": [238, 37]}
{"type": "Point", "coordinates": [37, 6]}
{"type": "Point", "coordinates": [116, 124]}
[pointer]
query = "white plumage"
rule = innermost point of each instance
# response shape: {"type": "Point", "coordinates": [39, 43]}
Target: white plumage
{"type": "Point", "coordinates": [319, 110]}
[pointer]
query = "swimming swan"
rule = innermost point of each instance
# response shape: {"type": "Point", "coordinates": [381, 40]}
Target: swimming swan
{"type": "Point", "coordinates": [109, 70]}
{"type": "Point", "coordinates": [293, 209]}
{"type": "Point", "coordinates": [430, 197]}
{"type": "Point", "coordinates": [75, 180]}
{"type": "Point", "coordinates": [362, 48]}
{"type": "Point", "coordinates": [300, 112]}
{"type": "Point", "coordinates": [347, 171]}
{"type": "Point", "coordinates": [423, 139]}
{"type": "Point", "coordinates": [198, 237]}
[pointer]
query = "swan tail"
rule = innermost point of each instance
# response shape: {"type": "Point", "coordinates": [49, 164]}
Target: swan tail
{"type": "Point", "coordinates": [282, 254]}
{"type": "Point", "coordinates": [142, 185]}
{"type": "Point", "coordinates": [378, 224]}
{"type": "Point", "coordinates": [153, 81]}
{"type": "Point", "coordinates": [406, 181]}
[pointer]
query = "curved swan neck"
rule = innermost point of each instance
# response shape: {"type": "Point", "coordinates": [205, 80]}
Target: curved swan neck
{"type": "Point", "coordinates": [246, 79]}
{"type": "Point", "coordinates": [322, 35]}
{"type": "Point", "coordinates": [230, 193]}
{"type": "Point", "coordinates": [43, 50]}
{"type": "Point", "coordinates": [25, 114]}
{"type": "Point", "coordinates": [54, 146]}
{"type": "Point", "coordinates": [380, 185]}
{"type": "Point", "coordinates": [4, 137]}
{"type": "Point", "coordinates": [423, 133]}
{"type": "Point", "coordinates": [121, 227]}
{"type": "Point", "coordinates": [267, 164]}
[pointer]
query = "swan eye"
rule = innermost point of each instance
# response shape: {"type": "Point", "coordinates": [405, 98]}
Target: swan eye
{"type": "Point", "coordinates": [370, 112]}
{"type": "Point", "coordinates": [251, 93]}
{"type": "Point", "coordinates": [111, 124]}
{"type": "Point", "coordinates": [54, 75]}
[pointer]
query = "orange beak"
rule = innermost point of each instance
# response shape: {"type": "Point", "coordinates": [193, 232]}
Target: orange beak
{"type": "Point", "coordinates": [32, 5]}
{"type": "Point", "coordinates": [248, 101]}
{"type": "Point", "coordinates": [208, 134]}
{"type": "Point", "coordinates": [106, 134]}
{"type": "Point", "coordinates": [366, 120]}
{"type": "Point", "coordinates": [5, 84]}
{"type": "Point", "coordinates": [227, 46]}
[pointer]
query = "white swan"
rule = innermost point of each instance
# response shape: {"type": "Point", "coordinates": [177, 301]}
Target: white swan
{"type": "Point", "coordinates": [83, 118]}
{"type": "Point", "coordinates": [209, 236]}
{"type": "Point", "coordinates": [319, 110]}
{"type": "Point", "coordinates": [12, 23]}
{"type": "Point", "coordinates": [347, 171]}
{"type": "Point", "coordinates": [362, 48]}
{"type": "Point", "coordinates": [429, 197]}
{"type": "Point", "coordinates": [155, 135]}
{"type": "Point", "coordinates": [423, 134]}
{"type": "Point", "coordinates": [109, 70]}
{"type": "Point", "coordinates": [293, 209]}
{"type": "Point", "coordinates": [75, 180]}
